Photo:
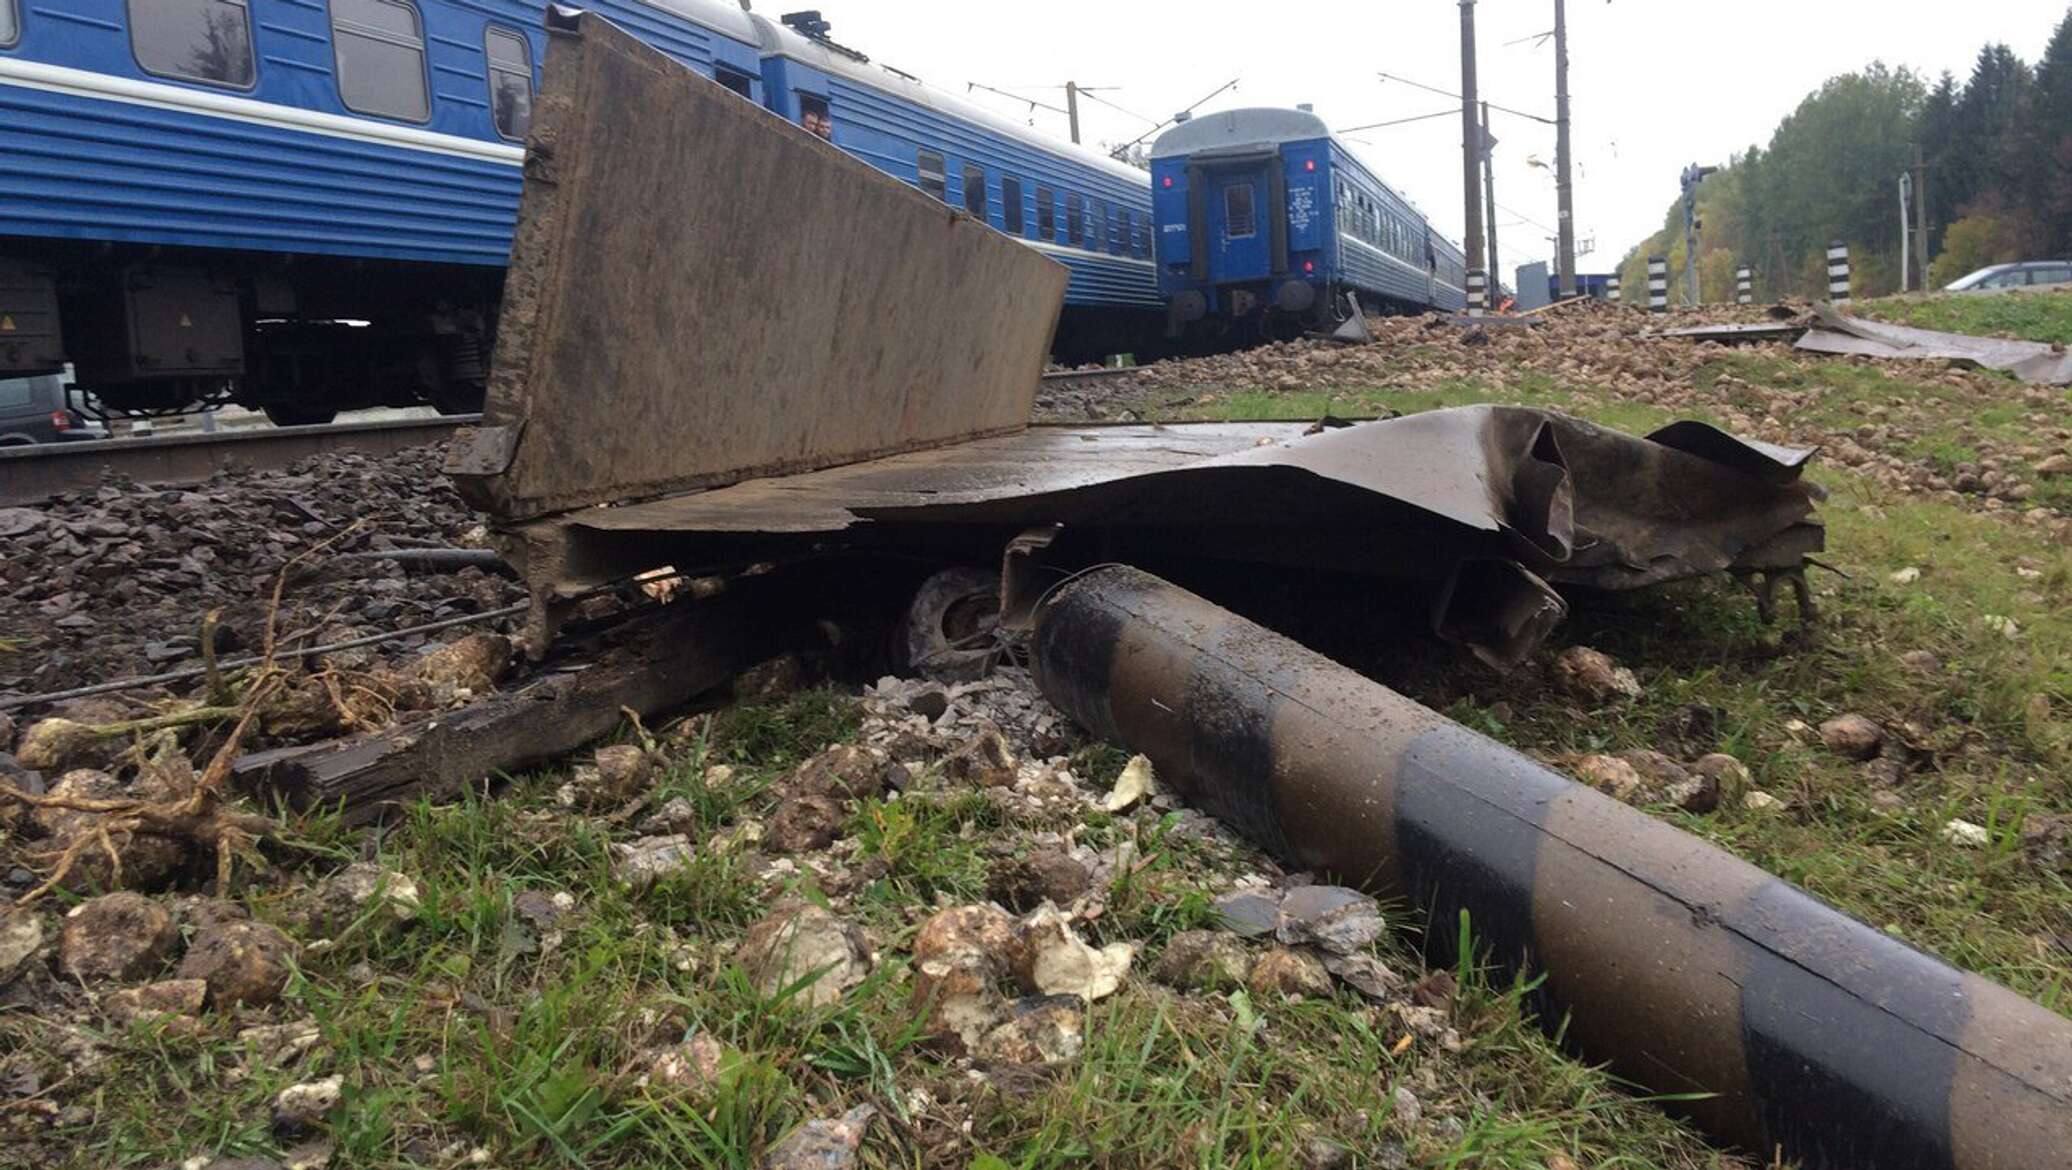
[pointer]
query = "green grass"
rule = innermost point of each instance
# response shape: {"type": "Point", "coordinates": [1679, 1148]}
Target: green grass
{"type": "Point", "coordinates": [2030, 316]}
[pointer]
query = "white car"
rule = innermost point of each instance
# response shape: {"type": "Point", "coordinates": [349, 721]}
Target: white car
{"type": "Point", "coordinates": [2027, 274]}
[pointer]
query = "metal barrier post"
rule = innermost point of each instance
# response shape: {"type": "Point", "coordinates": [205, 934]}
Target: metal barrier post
{"type": "Point", "coordinates": [1838, 272]}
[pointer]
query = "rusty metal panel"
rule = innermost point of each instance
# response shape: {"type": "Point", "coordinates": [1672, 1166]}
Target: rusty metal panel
{"type": "Point", "coordinates": [700, 292]}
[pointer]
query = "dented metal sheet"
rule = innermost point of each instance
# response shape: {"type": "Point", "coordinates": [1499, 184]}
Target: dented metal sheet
{"type": "Point", "coordinates": [1440, 497]}
{"type": "Point", "coordinates": [2031, 361]}
{"type": "Point", "coordinates": [700, 292]}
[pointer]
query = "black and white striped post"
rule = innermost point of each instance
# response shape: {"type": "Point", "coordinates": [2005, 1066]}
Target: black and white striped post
{"type": "Point", "coordinates": [1658, 284]}
{"type": "Point", "coordinates": [1838, 271]}
{"type": "Point", "coordinates": [1744, 285]}
{"type": "Point", "coordinates": [1611, 288]}
{"type": "Point", "coordinates": [1478, 293]}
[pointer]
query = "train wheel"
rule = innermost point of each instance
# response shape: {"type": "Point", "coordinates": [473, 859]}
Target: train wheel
{"type": "Point", "coordinates": [293, 414]}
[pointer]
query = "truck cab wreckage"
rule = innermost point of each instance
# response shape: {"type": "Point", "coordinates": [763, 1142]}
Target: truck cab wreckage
{"type": "Point", "coordinates": [706, 367]}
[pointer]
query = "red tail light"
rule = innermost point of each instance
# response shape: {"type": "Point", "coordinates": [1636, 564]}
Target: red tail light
{"type": "Point", "coordinates": [61, 420]}
{"type": "Point", "coordinates": [1169, 182]}
{"type": "Point", "coordinates": [1309, 165]}
{"type": "Point", "coordinates": [1309, 266]}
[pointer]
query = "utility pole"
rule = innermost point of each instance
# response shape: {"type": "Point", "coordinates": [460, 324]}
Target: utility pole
{"type": "Point", "coordinates": [1921, 214]}
{"type": "Point", "coordinates": [1072, 108]}
{"type": "Point", "coordinates": [1496, 279]}
{"type": "Point", "coordinates": [1471, 138]}
{"type": "Point", "coordinates": [1564, 184]}
{"type": "Point", "coordinates": [1906, 231]}
{"type": "Point", "coordinates": [1692, 176]}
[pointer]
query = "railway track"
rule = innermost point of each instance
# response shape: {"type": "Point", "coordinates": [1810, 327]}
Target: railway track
{"type": "Point", "coordinates": [30, 474]}
{"type": "Point", "coordinates": [1061, 377]}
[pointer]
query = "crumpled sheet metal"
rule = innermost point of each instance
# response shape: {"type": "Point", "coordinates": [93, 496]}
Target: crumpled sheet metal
{"type": "Point", "coordinates": [2031, 361]}
{"type": "Point", "coordinates": [1493, 504]}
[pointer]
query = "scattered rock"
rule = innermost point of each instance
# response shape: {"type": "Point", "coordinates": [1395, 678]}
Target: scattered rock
{"type": "Point", "coordinates": [1728, 776]}
{"type": "Point", "coordinates": [848, 772]}
{"type": "Point", "coordinates": [1047, 875]}
{"type": "Point", "coordinates": [302, 1108]}
{"type": "Point", "coordinates": [622, 772]}
{"type": "Point", "coordinates": [242, 963]}
{"type": "Point", "coordinates": [930, 703]}
{"type": "Point", "coordinates": [1921, 662]}
{"type": "Point", "coordinates": [169, 999]}
{"type": "Point", "coordinates": [821, 1145]}
{"type": "Point", "coordinates": [1965, 835]}
{"type": "Point", "coordinates": [694, 1066]}
{"type": "Point", "coordinates": [1334, 919]}
{"type": "Point", "coordinates": [1758, 801]}
{"type": "Point", "coordinates": [1049, 959]}
{"type": "Point", "coordinates": [54, 746]}
{"type": "Point", "coordinates": [1852, 737]}
{"type": "Point", "coordinates": [464, 669]}
{"type": "Point", "coordinates": [1594, 677]}
{"type": "Point", "coordinates": [985, 761]}
{"type": "Point", "coordinates": [21, 936]}
{"type": "Point", "coordinates": [1906, 576]}
{"type": "Point", "coordinates": [799, 945]}
{"type": "Point", "coordinates": [120, 937]}
{"type": "Point", "coordinates": [1282, 973]}
{"type": "Point", "coordinates": [365, 890]}
{"type": "Point", "coordinates": [1324, 1154]}
{"type": "Point", "coordinates": [1436, 991]}
{"type": "Point", "coordinates": [805, 824]}
{"type": "Point", "coordinates": [1249, 913]}
{"type": "Point", "coordinates": [640, 864]}
{"type": "Point", "coordinates": [1041, 1031]}
{"type": "Point", "coordinates": [1203, 960]}
{"type": "Point", "coordinates": [1612, 776]}
{"type": "Point", "coordinates": [1365, 974]}
{"type": "Point", "coordinates": [986, 929]}
{"type": "Point", "coordinates": [960, 954]}
{"type": "Point", "coordinates": [1407, 1108]}
{"type": "Point", "coordinates": [147, 860]}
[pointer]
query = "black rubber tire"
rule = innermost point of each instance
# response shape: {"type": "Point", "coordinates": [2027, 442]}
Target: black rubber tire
{"type": "Point", "coordinates": [291, 414]}
{"type": "Point", "coordinates": [947, 631]}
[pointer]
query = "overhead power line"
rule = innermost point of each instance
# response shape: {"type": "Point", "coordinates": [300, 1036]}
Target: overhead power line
{"type": "Point", "coordinates": [1456, 97]}
{"type": "Point", "coordinates": [1400, 121]}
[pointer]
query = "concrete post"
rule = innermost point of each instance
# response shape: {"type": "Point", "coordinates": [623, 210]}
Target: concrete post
{"type": "Point", "coordinates": [1838, 272]}
{"type": "Point", "coordinates": [1658, 284]}
{"type": "Point", "coordinates": [1744, 285]}
{"type": "Point", "coordinates": [1478, 293]}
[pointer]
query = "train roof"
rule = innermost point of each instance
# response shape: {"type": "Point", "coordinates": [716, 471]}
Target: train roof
{"type": "Point", "coordinates": [725, 16]}
{"type": "Point", "coordinates": [781, 40]}
{"type": "Point", "coordinates": [1256, 126]}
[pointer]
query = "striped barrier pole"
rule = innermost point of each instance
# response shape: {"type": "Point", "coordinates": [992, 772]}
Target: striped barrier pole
{"type": "Point", "coordinates": [1478, 293]}
{"type": "Point", "coordinates": [1611, 289]}
{"type": "Point", "coordinates": [1658, 284]}
{"type": "Point", "coordinates": [1802, 1031]}
{"type": "Point", "coordinates": [1838, 271]}
{"type": "Point", "coordinates": [1744, 285]}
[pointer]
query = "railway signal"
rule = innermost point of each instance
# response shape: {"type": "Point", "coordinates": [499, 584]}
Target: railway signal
{"type": "Point", "coordinates": [1692, 176]}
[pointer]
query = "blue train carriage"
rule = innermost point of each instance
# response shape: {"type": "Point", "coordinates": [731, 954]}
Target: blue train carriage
{"type": "Point", "coordinates": [1266, 222]}
{"type": "Point", "coordinates": [1079, 207]}
{"type": "Point", "coordinates": [301, 205]}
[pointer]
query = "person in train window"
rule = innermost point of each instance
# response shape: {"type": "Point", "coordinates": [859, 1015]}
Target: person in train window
{"type": "Point", "coordinates": [814, 116]}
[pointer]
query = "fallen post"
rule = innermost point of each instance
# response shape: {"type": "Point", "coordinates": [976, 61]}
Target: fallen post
{"type": "Point", "coordinates": [1813, 1036]}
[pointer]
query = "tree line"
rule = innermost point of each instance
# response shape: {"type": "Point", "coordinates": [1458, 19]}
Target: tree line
{"type": "Point", "coordinates": [1999, 186]}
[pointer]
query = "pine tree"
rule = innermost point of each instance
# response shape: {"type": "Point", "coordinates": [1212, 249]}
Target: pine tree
{"type": "Point", "coordinates": [1988, 119]}
{"type": "Point", "coordinates": [2047, 144]}
{"type": "Point", "coordinates": [1935, 130]}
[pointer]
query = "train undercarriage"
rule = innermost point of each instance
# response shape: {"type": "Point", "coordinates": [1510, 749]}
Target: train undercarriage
{"type": "Point", "coordinates": [154, 331]}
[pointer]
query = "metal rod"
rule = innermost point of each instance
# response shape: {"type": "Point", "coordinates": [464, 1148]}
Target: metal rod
{"type": "Point", "coordinates": [1072, 108]}
{"type": "Point", "coordinates": [1496, 267]}
{"type": "Point", "coordinates": [1786, 1027]}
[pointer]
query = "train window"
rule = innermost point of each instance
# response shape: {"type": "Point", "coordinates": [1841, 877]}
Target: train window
{"type": "Point", "coordinates": [1046, 213]}
{"type": "Point", "coordinates": [931, 170]}
{"type": "Point", "coordinates": [510, 82]}
{"type": "Point", "coordinates": [209, 41]}
{"type": "Point", "coordinates": [1119, 233]}
{"type": "Point", "coordinates": [814, 115]}
{"type": "Point", "coordinates": [10, 25]}
{"type": "Point", "coordinates": [380, 47]}
{"type": "Point", "coordinates": [1011, 205]}
{"type": "Point", "coordinates": [1140, 239]}
{"type": "Point", "coordinates": [735, 80]}
{"type": "Point", "coordinates": [1075, 218]}
{"type": "Point", "coordinates": [1239, 219]}
{"type": "Point", "coordinates": [975, 190]}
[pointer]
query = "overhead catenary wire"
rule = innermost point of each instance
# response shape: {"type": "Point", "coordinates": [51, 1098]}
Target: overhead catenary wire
{"type": "Point", "coordinates": [1400, 121]}
{"type": "Point", "coordinates": [1456, 97]}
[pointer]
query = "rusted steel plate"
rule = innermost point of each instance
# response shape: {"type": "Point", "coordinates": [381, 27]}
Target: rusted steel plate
{"type": "Point", "coordinates": [1805, 1032]}
{"type": "Point", "coordinates": [700, 292]}
{"type": "Point", "coordinates": [2031, 361]}
{"type": "Point", "coordinates": [1424, 498]}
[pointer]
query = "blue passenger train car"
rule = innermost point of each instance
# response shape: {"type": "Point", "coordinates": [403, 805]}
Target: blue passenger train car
{"type": "Point", "coordinates": [307, 205]}
{"type": "Point", "coordinates": [1266, 222]}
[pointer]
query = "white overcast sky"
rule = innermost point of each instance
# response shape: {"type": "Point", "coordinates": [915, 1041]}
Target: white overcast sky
{"type": "Point", "coordinates": [1656, 84]}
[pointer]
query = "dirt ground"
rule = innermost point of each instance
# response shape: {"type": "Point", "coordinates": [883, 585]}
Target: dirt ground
{"type": "Point", "coordinates": [916, 924]}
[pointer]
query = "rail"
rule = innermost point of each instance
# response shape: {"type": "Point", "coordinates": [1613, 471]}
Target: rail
{"type": "Point", "coordinates": [31, 474]}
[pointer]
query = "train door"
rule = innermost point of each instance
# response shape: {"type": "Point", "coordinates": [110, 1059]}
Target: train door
{"type": "Point", "coordinates": [1239, 236]}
